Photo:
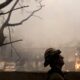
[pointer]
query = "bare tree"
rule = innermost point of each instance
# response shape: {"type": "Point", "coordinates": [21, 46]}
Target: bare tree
{"type": "Point", "coordinates": [15, 5]}
{"type": "Point", "coordinates": [7, 23]}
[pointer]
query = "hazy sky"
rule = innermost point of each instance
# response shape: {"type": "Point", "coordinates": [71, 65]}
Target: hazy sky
{"type": "Point", "coordinates": [59, 23]}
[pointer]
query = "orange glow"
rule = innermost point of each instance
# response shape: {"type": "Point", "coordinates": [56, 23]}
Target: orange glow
{"type": "Point", "coordinates": [77, 66]}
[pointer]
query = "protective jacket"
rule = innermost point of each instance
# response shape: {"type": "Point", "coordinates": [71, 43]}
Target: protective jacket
{"type": "Point", "coordinates": [55, 74]}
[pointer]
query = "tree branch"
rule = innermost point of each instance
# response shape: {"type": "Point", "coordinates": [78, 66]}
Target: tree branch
{"type": "Point", "coordinates": [13, 10]}
{"type": "Point", "coordinates": [7, 2]}
{"type": "Point", "coordinates": [10, 42]}
{"type": "Point", "coordinates": [8, 18]}
{"type": "Point", "coordinates": [21, 22]}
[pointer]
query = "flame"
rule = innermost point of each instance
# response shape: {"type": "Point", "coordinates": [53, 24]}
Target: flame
{"type": "Point", "coordinates": [77, 66]}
